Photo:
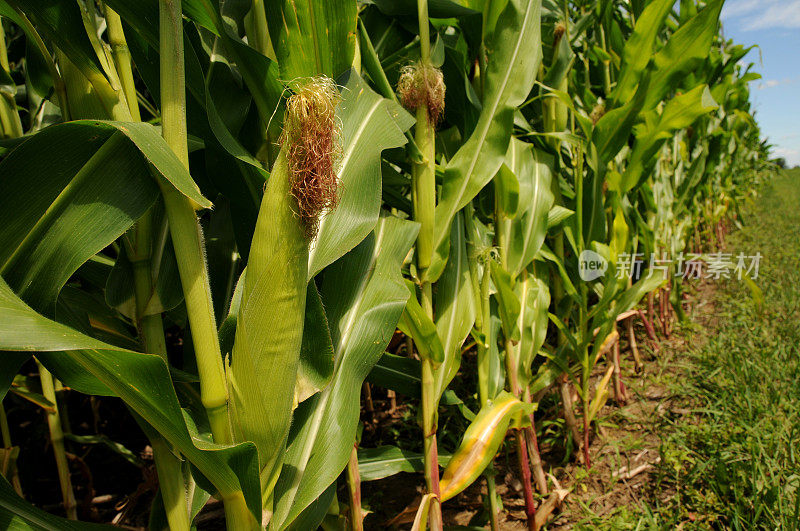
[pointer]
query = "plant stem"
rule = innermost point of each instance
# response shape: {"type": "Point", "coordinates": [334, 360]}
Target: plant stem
{"type": "Point", "coordinates": [151, 333]}
{"type": "Point", "coordinates": [354, 488]}
{"type": "Point", "coordinates": [171, 486]}
{"type": "Point", "coordinates": [424, 203]}
{"type": "Point", "coordinates": [429, 427]}
{"type": "Point", "coordinates": [480, 287]}
{"type": "Point", "coordinates": [483, 347]}
{"type": "Point", "coordinates": [122, 61]}
{"type": "Point", "coordinates": [8, 445]}
{"type": "Point", "coordinates": [57, 440]}
{"type": "Point", "coordinates": [525, 469]}
{"type": "Point", "coordinates": [502, 227]}
{"type": "Point", "coordinates": [256, 29]}
{"type": "Point", "coordinates": [150, 326]}
{"type": "Point", "coordinates": [637, 359]}
{"type": "Point", "coordinates": [619, 392]}
{"type": "Point", "coordinates": [586, 458]}
{"type": "Point", "coordinates": [651, 333]}
{"type": "Point", "coordinates": [606, 65]}
{"type": "Point", "coordinates": [491, 492]}
{"type": "Point", "coordinates": [187, 239]}
{"type": "Point", "coordinates": [185, 228]}
{"type": "Point", "coordinates": [569, 411]}
{"type": "Point", "coordinates": [533, 451]}
{"type": "Point", "coordinates": [522, 451]}
{"type": "Point", "coordinates": [237, 514]}
{"type": "Point", "coordinates": [9, 117]}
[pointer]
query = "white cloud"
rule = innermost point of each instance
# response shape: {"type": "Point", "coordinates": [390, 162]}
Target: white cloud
{"type": "Point", "coordinates": [792, 155]}
{"type": "Point", "coordinates": [740, 7]}
{"type": "Point", "coordinates": [771, 83]}
{"type": "Point", "coordinates": [763, 14]}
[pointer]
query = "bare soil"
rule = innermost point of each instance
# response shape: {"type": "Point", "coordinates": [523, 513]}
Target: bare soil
{"type": "Point", "coordinates": [624, 447]}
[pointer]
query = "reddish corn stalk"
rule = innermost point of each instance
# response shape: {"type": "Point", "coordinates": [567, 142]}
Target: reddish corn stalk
{"type": "Point", "coordinates": [648, 325]}
{"type": "Point", "coordinates": [586, 457]}
{"type": "Point", "coordinates": [619, 392]}
{"type": "Point", "coordinates": [533, 452]}
{"type": "Point", "coordinates": [525, 469]}
{"type": "Point", "coordinates": [569, 413]}
{"type": "Point", "coordinates": [354, 488]}
{"type": "Point", "coordinates": [637, 360]}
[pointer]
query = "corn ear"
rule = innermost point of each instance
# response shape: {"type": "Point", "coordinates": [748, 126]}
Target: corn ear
{"type": "Point", "coordinates": [266, 351]}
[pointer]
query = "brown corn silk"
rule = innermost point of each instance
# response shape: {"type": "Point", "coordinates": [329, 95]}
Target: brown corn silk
{"type": "Point", "coordinates": [422, 86]}
{"type": "Point", "coordinates": [311, 138]}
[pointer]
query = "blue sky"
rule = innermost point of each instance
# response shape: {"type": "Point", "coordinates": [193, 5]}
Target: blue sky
{"type": "Point", "coordinates": [775, 26]}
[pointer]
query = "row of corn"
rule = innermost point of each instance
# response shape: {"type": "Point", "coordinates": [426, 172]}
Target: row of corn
{"type": "Point", "coordinates": [231, 215]}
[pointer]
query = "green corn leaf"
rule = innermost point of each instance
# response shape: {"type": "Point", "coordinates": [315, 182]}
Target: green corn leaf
{"type": "Point", "coordinates": [363, 294]}
{"type": "Point", "coordinates": [167, 292]}
{"type": "Point", "coordinates": [614, 128]}
{"type": "Point", "coordinates": [117, 448]}
{"type": "Point", "coordinates": [532, 322]}
{"type": "Point", "coordinates": [506, 191]}
{"type": "Point", "coordinates": [416, 324]}
{"type": "Point", "coordinates": [404, 375]}
{"type": "Point", "coordinates": [385, 461]}
{"type": "Point", "coordinates": [454, 303]}
{"type": "Point", "coordinates": [436, 8]}
{"type": "Point", "coordinates": [529, 227]}
{"type": "Point", "coordinates": [316, 352]}
{"type": "Point", "coordinates": [370, 124]}
{"type": "Point", "coordinates": [21, 515]}
{"type": "Point", "coordinates": [142, 381]}
{"type": "Point", "coordinates": [557, 215]}
{"type": "Point", "coordinates": [685, 51]}
{"type": "Point", "coordinates": [61, 23]}
{"type": "Point", "coordinates": [318, 511]}
{"type": "Point", "coordinates": [62, 209]}
{"type": "Point", "coordinates": [508, 304]}
{"type": "Point", "coordinates": [569, 287]}
{"type": "Point", "coordinates": [516, 47]}
{"type": "Point", "coordinates": [259, 73]}
{"type": "Point", "coordinates": [398, 373]}
{"type": "Point", "coordinates": [20, 388]}
{"type": "Point", "coordinates": [496, 374]}
{"type": "Point", "coordinates": [639, 48]}
{"type": "Point", "coordinates": [313, 38]}
{"type": "Point", "coordinates": [631, 296]}
{"type": "Point", "coordinates": [680, 112]}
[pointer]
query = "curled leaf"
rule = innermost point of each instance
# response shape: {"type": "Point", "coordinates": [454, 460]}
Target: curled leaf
{"type": "Point", "coordinates": [480, 443]}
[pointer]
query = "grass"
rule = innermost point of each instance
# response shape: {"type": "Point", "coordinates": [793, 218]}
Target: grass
{"type": "Point", "coordinates": [732, 461]}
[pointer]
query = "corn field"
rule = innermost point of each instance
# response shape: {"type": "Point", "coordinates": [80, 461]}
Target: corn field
{"type": "Point", "coordinates": [244, 218]}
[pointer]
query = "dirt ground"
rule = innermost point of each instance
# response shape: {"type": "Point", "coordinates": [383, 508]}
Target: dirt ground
{"type": "Point", "coordinates": [624, 449]}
